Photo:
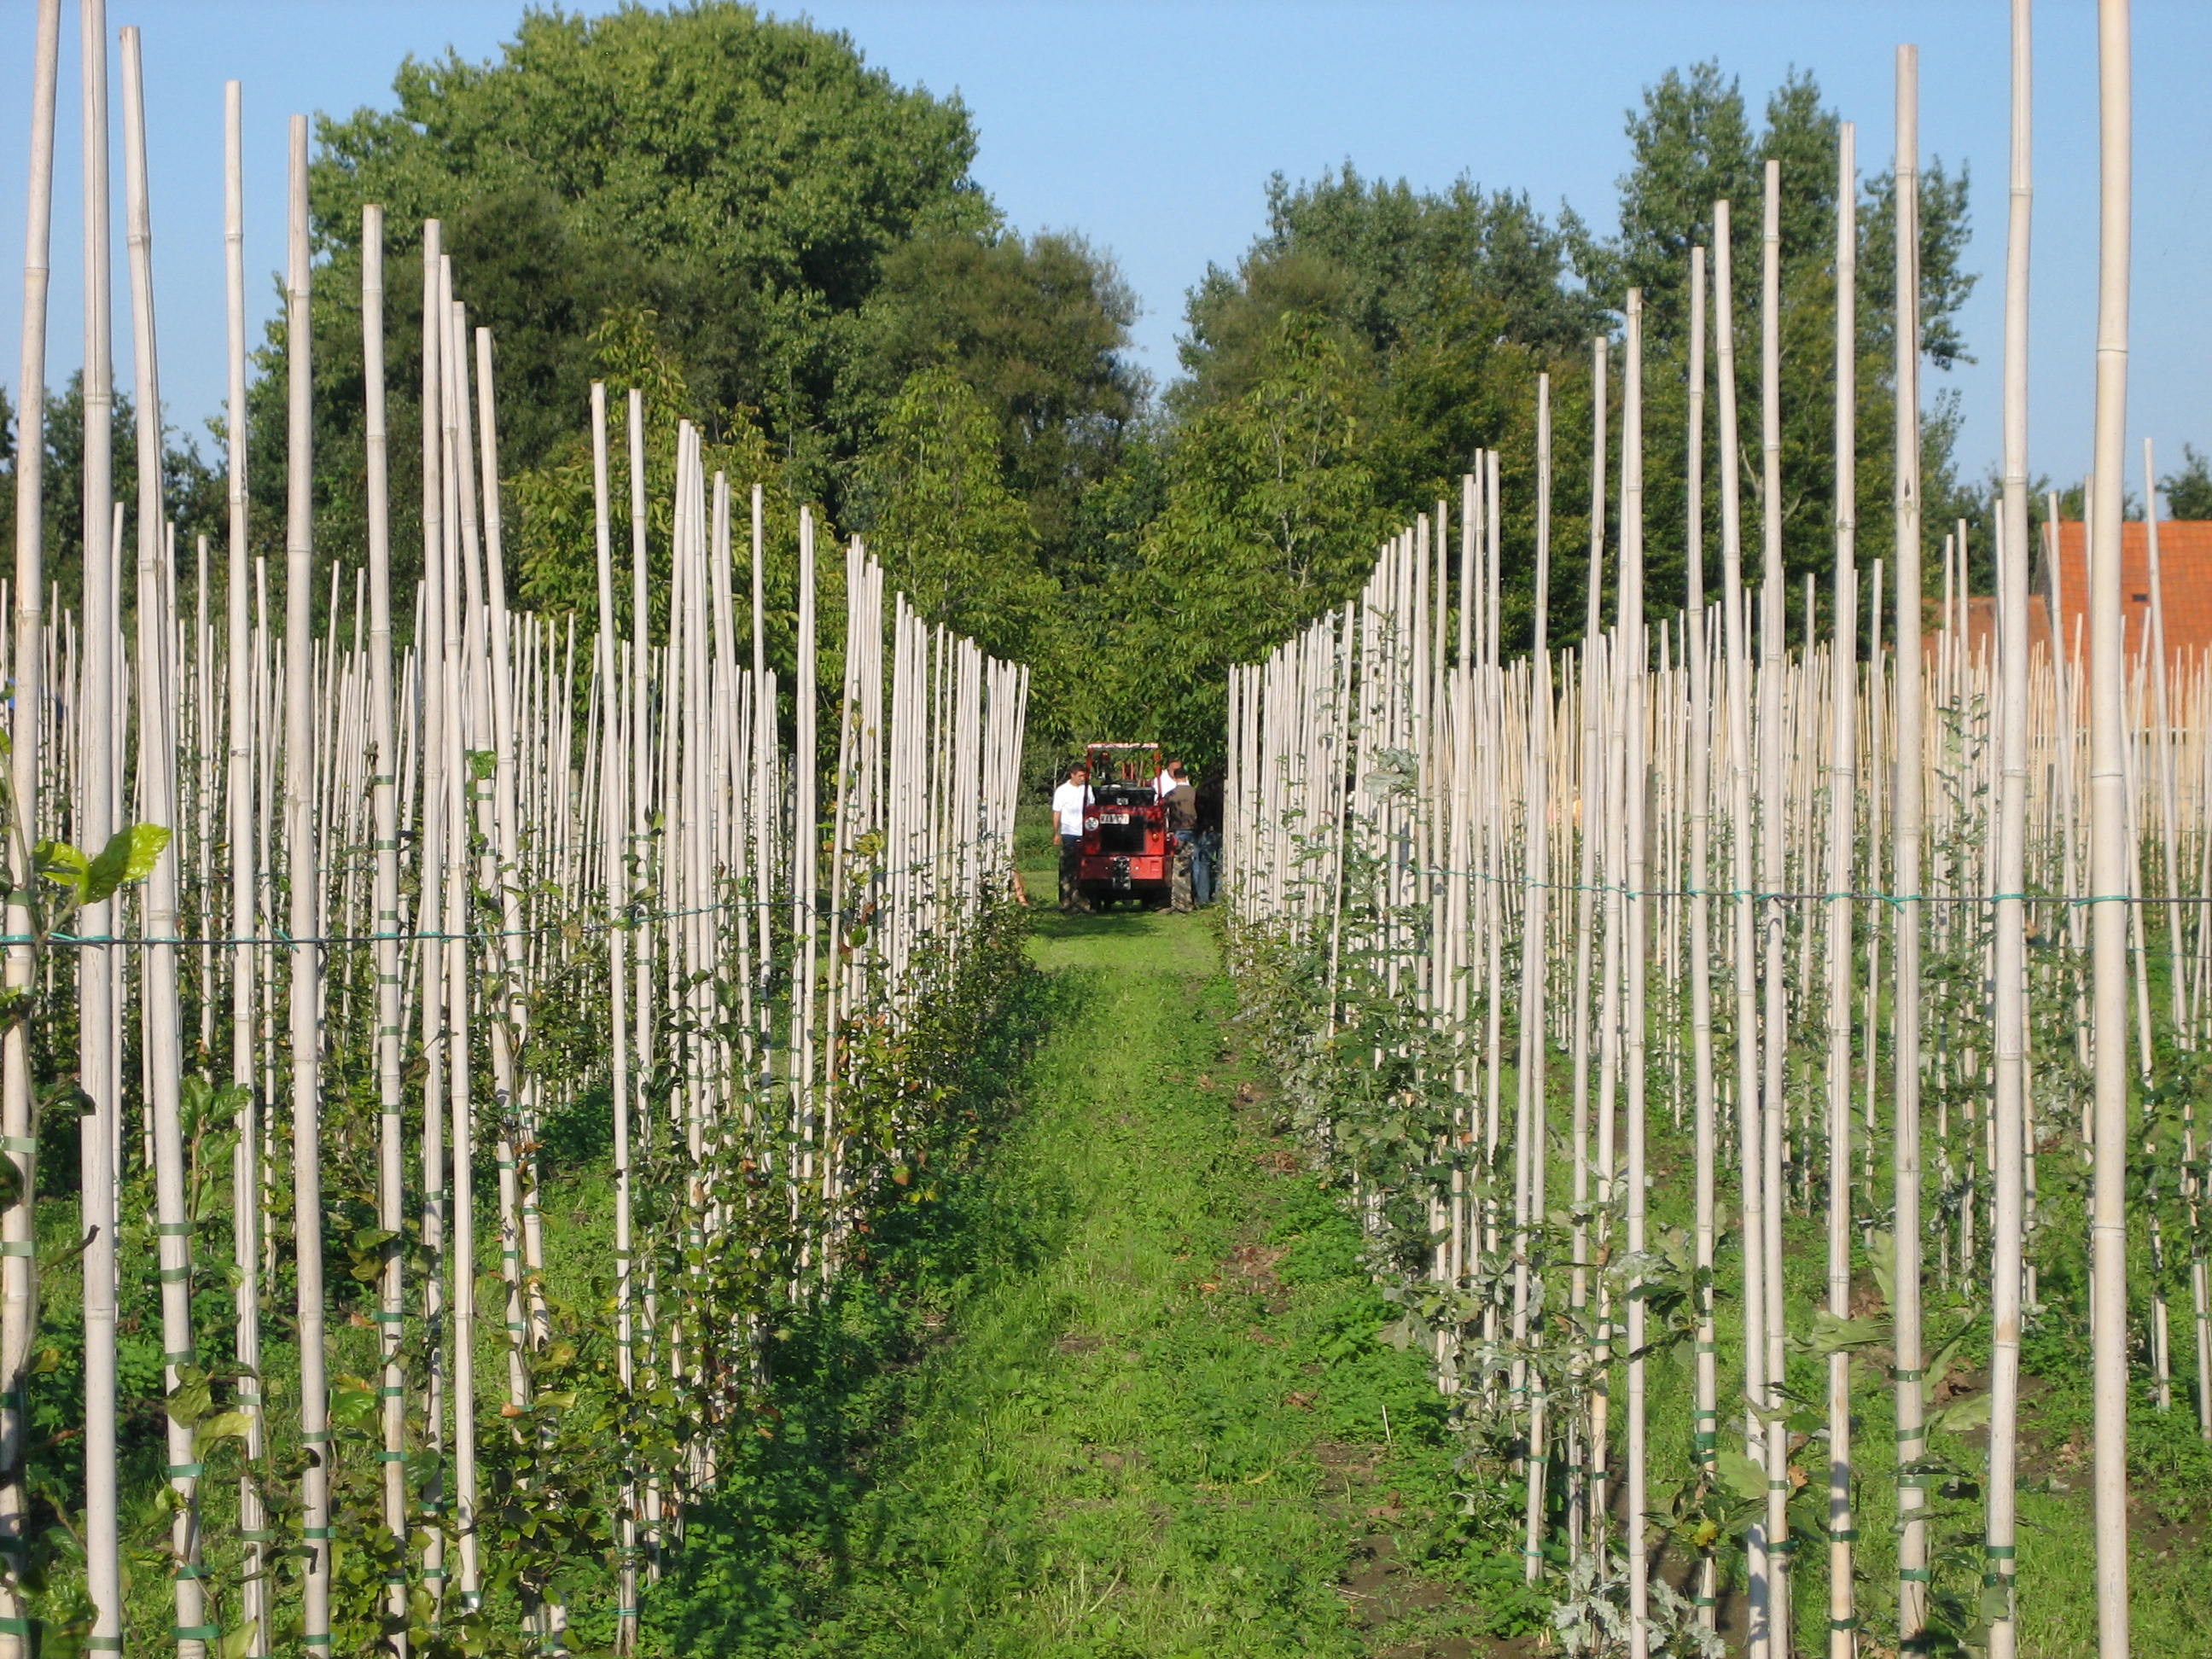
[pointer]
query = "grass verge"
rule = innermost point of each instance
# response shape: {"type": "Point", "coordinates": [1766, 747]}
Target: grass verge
{"type": "Point", "coordinates": [1116, 1391]}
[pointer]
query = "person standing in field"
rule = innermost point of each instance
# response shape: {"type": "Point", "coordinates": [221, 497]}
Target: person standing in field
{"type": "Point", "coordinates": [1181, 802]}
{"type": "Point", "coordinates": [1205, 845]}
{"type": "Point", "coordinates": [1069, 802]}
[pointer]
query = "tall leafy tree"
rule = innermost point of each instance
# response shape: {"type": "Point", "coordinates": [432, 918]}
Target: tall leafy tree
{"type": "Point", "coordinates": [192, 492]}
{"type": "Point", "coordinates": [1439, 310]}
{"type": "Point", "coordinates": [1271, 514]}
{"type": "Point", "coordinates": [758, 167]}
{"type": "Point", "coordinates": [1037, 328]}
{"type": "Point", "coordinates": [1694, 143]}
{"type": "Point", "coordinates": [2188, 489]}
{"type": "Point", "coordinates": [934, 506]}
{"type": "Point", "coordinates": [1444, 307]}
{"type": "Point", "coordinates": [740, 178]}
{"type": "Point", "coordinates": [798, 233]}
{"type": "Point", "coordinates": [1384, 264]}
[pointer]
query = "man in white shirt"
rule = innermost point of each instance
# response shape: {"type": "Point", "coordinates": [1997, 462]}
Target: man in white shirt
{"type": "Point", "coordinates": [1164, 786]}
{"type": "Point", "coordinates": [1069, 802]}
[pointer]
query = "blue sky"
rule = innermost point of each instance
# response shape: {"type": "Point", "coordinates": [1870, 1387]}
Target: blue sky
{"type": "Point", "coordinates": [1151, 128]}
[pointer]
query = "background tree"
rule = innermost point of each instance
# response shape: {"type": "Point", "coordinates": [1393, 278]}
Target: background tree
{"type": "Point", "coordinates": [2188, 490]}
{"type": "Point", "coordinates": [934, 505]}
{"type": "Point", "coordinates": [1442, 309]}
{"type": "Point", "coordinates": [1271, 514]}
{"type": "Point", "coordinates": [798, 234]}
{"type": "Point", "coordinates": [1035, 329]}
{"type": "Point", "coordinates": [758, 169]}
{"type": "Point", "coordinates": [739, 177]}
{"type": "Point", "coordinates": [193, 491]}
{"type": "Point", "coordinates": [1383, 262]}
{"type": "Point", "coordinates": [1693, 143]}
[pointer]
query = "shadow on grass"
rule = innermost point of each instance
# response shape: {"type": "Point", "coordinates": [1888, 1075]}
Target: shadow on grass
{"type": "Point", "coordinates": [1121, 922]}
{"type": "Point", "coordinates": [1092, 924]}
{"type": "Point", "coordinates": [762, 1557]}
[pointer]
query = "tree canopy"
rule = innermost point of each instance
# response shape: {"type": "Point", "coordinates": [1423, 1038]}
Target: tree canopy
{"type": "Point", "coordinates": [2188, 489]}
{"type": "Point", "coordinates": [1441, 309]}
{"type": "Point", "coordinates": [775, 240]}
{"type": "Point", "coordinates": [193, 491]}
{"type": "Point", "coordinates": [797, 234]}
{"type": "Point", "coordinates": [753, 173]}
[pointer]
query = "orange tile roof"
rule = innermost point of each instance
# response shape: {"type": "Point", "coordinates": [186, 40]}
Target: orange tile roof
{"type": "Point", "coordinates": [1980, 626]}
{"type": "Point", "coordinates": [2185, 565]}
{"type": "Point", "coordinates": [2185, 562]}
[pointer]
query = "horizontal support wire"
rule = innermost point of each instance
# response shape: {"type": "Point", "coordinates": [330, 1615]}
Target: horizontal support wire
{"type": "Point", "coordinates": [1762, 897]}
{"type": "Point", "coordinates": [628, 919]}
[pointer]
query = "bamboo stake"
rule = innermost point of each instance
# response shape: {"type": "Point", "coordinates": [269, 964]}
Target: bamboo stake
{"type": "Point", "coordinates": [1637, 794]}
{"type": "Point", "coordinates": [1584, 1530]}
{"type": "Point", "coordinates": [2163, 739]}
{"type": "Point", "coordinates": [2107, 831]}
{"type": "Point", "coordinates": [1749, 1162]}
{"type": "Point", "coordinates": [1774, 917]}
{"type": "Point", "coordinates": [1843, 797]}
{"type": "Point", "coordinates": [614, 821]}
{"type": "Point", "coordinates": [158, 1004]}
{"type": "Point", "coordinates": [1531, 1124]}
{"type": "Point", "coordinates": [1704, 1437]}
{"type": "Point", "coordinates": [430, 909]}
{"type": "Point", "coordinates": [384, 804]}
{"type": "Point", "coordinates": [1906, 825]}
{"type": "Point", "coordinates": [805, 862]}
{"type": "Point", "coordinates": [453, 739]}
{"type": "Point", "coordinates": [244, 851]}
{"type": "Point", "coordinates": [307, 954]}
{"type": "Point", "coordinates": [98, 1011]}
{"type": "Point", "coordinates": [2009, 1116]}
{"type": "Point", "coordinates": [18, 1285]}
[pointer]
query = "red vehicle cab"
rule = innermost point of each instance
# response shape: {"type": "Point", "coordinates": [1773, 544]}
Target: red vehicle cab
{"type": "Point", "coordinates": [1126, 854]}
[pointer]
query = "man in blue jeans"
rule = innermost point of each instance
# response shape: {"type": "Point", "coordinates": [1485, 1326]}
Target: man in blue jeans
{"type": "Point", "coordinates": [1204, 850]}
{"type": "Point", "coordinates": [1069, 804]}
{"type": "Point", "coordinates": [1182, 807]}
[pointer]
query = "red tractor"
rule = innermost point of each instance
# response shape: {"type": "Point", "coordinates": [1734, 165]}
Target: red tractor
{"type": "Point", "coordinates": [1126, 851]}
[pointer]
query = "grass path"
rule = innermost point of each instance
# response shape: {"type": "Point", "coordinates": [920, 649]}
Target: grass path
{"type": "Point", "coordinates": [1112, 1390]}
{"type": "Point", "coordinates": [1149, 1419]}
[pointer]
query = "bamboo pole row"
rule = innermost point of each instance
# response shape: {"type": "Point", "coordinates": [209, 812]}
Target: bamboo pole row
{"type": "Point", "coordinates": [1871, 835]}
{"type": "Point", "coordinates": [425, 893]}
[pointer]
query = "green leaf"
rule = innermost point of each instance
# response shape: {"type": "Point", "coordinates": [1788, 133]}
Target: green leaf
{"type": "Point", "coordinates": [353, 1408]}
{"type": "Point", "coordinates": [222, 1425]}
{"type": "Point", "coordinates": [1402, 1334]}
{"type": "Point", "coordinates": [1971, 1412]}
{"type": "Point", "coordinates": [1882, 1252]}
{"type": "Point", "coordinates": [1939, 1368]}
{"type": "Point", "coordinates": [1742, 1476]}
{"type": "Point", "coordinates": [191, 1400]}
{"type": "Point", "coordinates": [62, 864]}
{"type": "Point", "coordinates": [237, 1643]}
{"type": "Point", "coordinates": [128, 857]}
{"type": "Point", "coordinates": [62, 1258]}
{"type": "Point", "coordinates": [1832, 1335]}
